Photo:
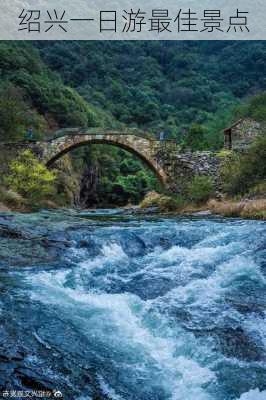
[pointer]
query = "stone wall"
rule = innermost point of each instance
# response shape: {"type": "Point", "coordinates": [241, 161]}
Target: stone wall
{"type": "Point", "coordinates": [242, 133]}
{"type": "Point", "coordinates": [173, 168]}
{"type": "Point", "coordinates": [182, 167]}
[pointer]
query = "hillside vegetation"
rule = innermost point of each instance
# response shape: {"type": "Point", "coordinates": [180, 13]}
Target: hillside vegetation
{"type": "Point", "coordinates": [163, 85]}
{"type": "Point", "coordinates": [189, 90]}
{"type": "Point", "coordinates": [31, 95]}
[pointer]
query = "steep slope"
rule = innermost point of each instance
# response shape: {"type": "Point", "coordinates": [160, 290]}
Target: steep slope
{"type": "Point", "coordinates": [162, 85]}
{"type": "Point", "coordinates": [31, 95]}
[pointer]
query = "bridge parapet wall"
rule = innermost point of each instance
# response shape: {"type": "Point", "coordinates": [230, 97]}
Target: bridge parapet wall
{"type": "Point", "coordinates": [173, 168]}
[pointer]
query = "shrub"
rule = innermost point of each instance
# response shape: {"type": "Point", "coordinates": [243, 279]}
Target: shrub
{"type": "Point", "coordinates": [226, 208]}
{"type": "Point", "coordinates": [16, 115]}
{"type": "Point", "coordinates": [200, 189]}
{"type": "Point", "coordinates": [30, 178]}
{"type": "Point", "coordinates": [163, 202]}
{"type": "Point", "coordinates": [11, 198]}
{"type": "Point", "coordinates": [171, 203]}
{"type": "Point", "coordinates": [150, 200]}
{"type": "Point", "coordinates": [195, 138]}
{"type": "Point", "coordinates": [254, 209]}
{"type": "Point", "coordinates": [255, 108]}
{"type": "Point", "coordinates": [258, 190]}
{"type": "Point", "coordinates": [224, 154]}
{"type": "Point", "coordinates": [241, 172]}
{"type": "Point", "coordinates": [245, 209]}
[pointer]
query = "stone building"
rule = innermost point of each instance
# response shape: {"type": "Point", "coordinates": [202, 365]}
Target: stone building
{"type": "Point", "coordinates": [241, 134]}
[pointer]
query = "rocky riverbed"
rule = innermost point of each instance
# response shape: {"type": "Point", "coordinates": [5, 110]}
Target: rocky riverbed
{"type": "Point", "coordinates": [107, 305]}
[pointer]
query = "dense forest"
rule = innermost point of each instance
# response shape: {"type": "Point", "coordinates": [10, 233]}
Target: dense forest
{"type": "Point", "coordinates": [162, 85]}
{"type": "Point", "coordinates": [190, 90]}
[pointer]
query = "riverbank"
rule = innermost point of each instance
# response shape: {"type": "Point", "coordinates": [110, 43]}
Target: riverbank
{"type": "Point", "coordinates": [13, 201]}
{"type": "Point", "coordinates": [3, 207]}
{"type": "Point", "coordinates": [158, 203]}
{"type": "Point", "coordinates": [254, 209]}
{"type": "Point", "coordinates": [244, 208]}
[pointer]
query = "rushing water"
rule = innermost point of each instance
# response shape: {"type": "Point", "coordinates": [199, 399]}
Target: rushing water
{"type": "Point", "coordinates": [108, 306]}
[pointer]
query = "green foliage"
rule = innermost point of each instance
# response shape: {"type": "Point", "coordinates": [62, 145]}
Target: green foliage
{"type": "Point", "coordinates": [241, 172]}
{"type": "Point", "coordinates": [171, 203]}
{"type": "Point", "coordinates": [177, 87]}
{"type": "Point", "coordinates": [195, 138]}
{"type": "Point", "coordinates": [224, 154]}
{"type": "Point", "coordinates": [49, 95]}
{"type": "Point", "coordinates": [255, 108]}
{"type": "Point", "coordinates": [259, 190]}
{"type": "Point", "coordinates": [131, 188]}
{"type": "Point", "coordinates": [31, 96]}
{"type": "Point", "coordinates": [169, 87]}
{"type": "Point", "coordinates": [165, 203]}
{"type": "Point", "coordinates": [245, 173]}
{"type": "Point", "coordinates": [29, 178]}
{"type": "Point", "coordinates": [116, 177]}
{"type": "Point", "coordinates": [16, 115]}
{"type": "Point", "coordinates": [200, 189]}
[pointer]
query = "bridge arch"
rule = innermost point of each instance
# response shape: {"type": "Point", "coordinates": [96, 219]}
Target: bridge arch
{"type": "Point", "coordinates": [143, 148]}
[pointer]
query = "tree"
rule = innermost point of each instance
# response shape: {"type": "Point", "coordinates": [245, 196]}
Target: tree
{"type": "Point", "coordinates": [200, 189]}
{"type": "Point", "coordinates": [195, 138]}
{"type": "Point", "coordinates": [30, 178]}
{"type": "Point", "coordinates": [16, 116]}
{"type": "Point", "coordinates": [241, 172]}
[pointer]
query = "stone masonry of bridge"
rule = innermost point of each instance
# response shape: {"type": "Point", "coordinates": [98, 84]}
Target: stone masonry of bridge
{"type": "Point", "coordinates": [172, 167]}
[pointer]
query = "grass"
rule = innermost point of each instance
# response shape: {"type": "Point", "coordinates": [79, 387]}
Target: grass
{"type": "Point", "coordinates": [11, 199]}
{"type": "Point", "coordinates": [3, 207]}
{"type": "Point", "coordinates": [252, 209]}
{"type": "Point", "coordinates": [255, 209]}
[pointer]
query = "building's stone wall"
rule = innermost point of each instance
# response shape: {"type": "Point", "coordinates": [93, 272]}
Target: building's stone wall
{"type": "Point", "coordinates": [242, 133]}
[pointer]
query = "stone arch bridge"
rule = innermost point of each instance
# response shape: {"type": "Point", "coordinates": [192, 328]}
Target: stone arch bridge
{"type": "Point", "coordinates": [172, 167]}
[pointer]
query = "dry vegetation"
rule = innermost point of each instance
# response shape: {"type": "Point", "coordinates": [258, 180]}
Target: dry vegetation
{"type": "Point", "coordinates": [255, 209]}
{"type": "Point", "coordinates": [163, 202]}
{"type": "Point", "coordinates": [244, 208]}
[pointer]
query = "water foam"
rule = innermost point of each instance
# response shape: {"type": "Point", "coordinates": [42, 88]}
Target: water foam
{"type": "Point", "coordinates": [255, 394]}
{"type": "Point", "coordinates": [227, 276]}
{"type": "Point", "coordinates": [110, 253]}
{"type": "Point", "coordinates": [139, 336]}
{"type": "Point", "coordinates": [120, 319]}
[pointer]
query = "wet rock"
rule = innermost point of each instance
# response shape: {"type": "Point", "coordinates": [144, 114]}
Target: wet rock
{"type": "Point", "coordinates": [202, 213]}
{"type": "Point", "coordinates": [59, 244]}
{"type": "Point", "coordinates": [150, 288]}
{"type": "Point", "coordinates": [32, 380]}
{"type": "Point", "coordinates": [133, 246]}
{"type": "Point", "coordinates": [234, 342]}
{"type": "Point", "coordinates": [182, 315]}
{"type": "Point", "coordinates": [84, 244]}
{"type": "Point", "coordinates": [252, 302]}
{"type": "Point", "coordinates": [11, 354]}
{"type": "Point", "coordinates": [142, 211]}
{"type": "Point", "coordinates": [247, 308]}
{"type": "Point", "coordinates": [11, 232]}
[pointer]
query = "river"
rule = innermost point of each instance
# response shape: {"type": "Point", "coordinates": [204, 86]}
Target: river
{"type": "Point", "coordinates": [104, 305]}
